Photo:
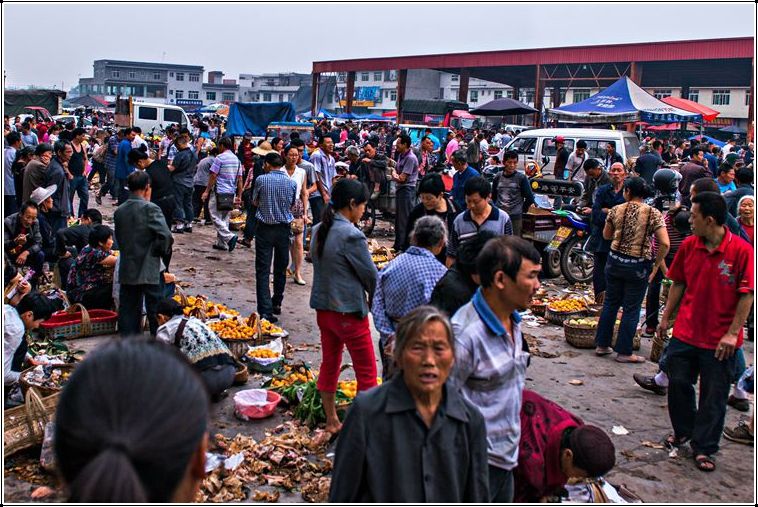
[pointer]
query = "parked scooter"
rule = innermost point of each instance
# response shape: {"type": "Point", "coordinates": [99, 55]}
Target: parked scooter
{"type": "Point", "coordinates": [570, 241]}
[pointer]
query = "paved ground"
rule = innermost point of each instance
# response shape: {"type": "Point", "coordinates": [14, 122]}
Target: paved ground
{"type": "Point", "coordinates": [608, 396]}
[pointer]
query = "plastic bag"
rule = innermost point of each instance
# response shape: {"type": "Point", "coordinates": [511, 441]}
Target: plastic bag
{"type": "Point", "coordinates": [255, 403]}
{"type": "Point", "coordinates": [277, 346]}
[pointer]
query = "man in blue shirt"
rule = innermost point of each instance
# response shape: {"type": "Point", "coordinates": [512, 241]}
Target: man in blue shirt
{"type": "Point", "coordinates": [711, 159]}
{"type": "Point", "coordinates": [123, 169]}
{"type": "Point", "coordinates": [463, 172]}
{"type": "Point", "coordinates": [435, 140]}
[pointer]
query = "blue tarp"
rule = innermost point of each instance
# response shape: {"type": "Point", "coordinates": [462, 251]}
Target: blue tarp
{"type": "Point", "coordinates": [320, 115]}
{"type": "Point", "coordinates": [255, 117]}
{"type": "Point", "coordinates": [718, 143]}
{"type": "Point", "coordinates": [622, 102]}
{"type": "Point", "coordinates": [349, 116]}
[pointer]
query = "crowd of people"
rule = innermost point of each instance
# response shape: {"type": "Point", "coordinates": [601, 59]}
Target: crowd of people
{"type": "Point", "coordinates": [447, 308]}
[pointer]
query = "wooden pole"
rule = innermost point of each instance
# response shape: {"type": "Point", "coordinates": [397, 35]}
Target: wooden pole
{"type": "Point", "coordinates": [316, 77]}
{"type": "Point", "coordinates": [349, 90]}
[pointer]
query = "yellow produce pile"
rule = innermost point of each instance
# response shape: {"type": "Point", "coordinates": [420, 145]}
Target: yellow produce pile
{"type": "Point", "coordinates": [350, 387]}
{"type": "Point", "coordinates": [296, 377]}
{"type": "Point", "coordinates": [212, 309]}
{"type": "Point", "coordinates": [262, 353]}
{"type": "Point", "coordinates": [270, 329]}
{"type": "Point", "coordinates": [589, 322]}
{"type": "Point", "coordinates": [567, 305]}
{"type": "Point", "coordinates": [232, 329]}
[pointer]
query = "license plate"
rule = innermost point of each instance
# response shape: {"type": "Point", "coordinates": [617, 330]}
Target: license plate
{"type": "Point", "coordinates": [560, 236]}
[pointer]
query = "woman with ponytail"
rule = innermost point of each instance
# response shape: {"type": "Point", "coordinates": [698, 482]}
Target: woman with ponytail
{"type": "Point", "coordinates": [344, 277]}
{"type": "Point", "coordinates": [131, 426]}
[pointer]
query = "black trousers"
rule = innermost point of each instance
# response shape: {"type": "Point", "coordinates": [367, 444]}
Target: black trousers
{"type": "Point", "coordinates": [99, 298]}
{"type": "Point", "coordinates": [271, 241]}
{"type": "Point", "coordinates": [197, 203]}
{"type": "Point", "coordinates": [501, 485]}
{"type": "Point", "coordinates": [167, 204]}
{"type": "Point", "coordinates": [598, 273]}
{"type": "Point", "coordinates": [131, 298]}
{"type": "Point", "coordinates": [218, 379]}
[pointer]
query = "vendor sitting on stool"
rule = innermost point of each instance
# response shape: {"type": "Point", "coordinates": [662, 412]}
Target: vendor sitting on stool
{"type": "Point", "coordinates": [90, 280]}
{"type": "Point", "coordinates": [207, 353]}
{"type": "Point", "coordinates": [22, 239]}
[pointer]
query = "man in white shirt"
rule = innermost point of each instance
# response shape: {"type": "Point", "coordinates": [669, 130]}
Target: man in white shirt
{"type": "Point", "coordinates": [138, 141]}
{"type": "Point", "coordinates": [574, 170]}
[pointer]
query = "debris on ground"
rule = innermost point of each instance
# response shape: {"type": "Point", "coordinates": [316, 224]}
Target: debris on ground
{"type": "Point", "coordinates": [620, 430]}
{"type": "Point", "coordinates": [576, 382]}
{"type": "Point", "coordinates": [648, 443]}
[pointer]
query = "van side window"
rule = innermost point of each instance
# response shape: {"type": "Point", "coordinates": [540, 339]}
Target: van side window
{"type": "Point", "coordinates": [548, 147]}
{"type": "Point", "coordinates": [525, 145]}
{"type": "Point", "coordinates": [595, 149]}
{"type": "Point", "coordinates": [147, 113]}
{"type": "Point", "coordinates": [172, 116]}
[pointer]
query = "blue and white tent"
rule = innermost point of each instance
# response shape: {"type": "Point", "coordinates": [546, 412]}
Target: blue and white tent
{"type": "Point", "coordinates": [622, 102]}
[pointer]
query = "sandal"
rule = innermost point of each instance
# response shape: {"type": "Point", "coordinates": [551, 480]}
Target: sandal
{"type": "Point", "coordinates": [603, 351]}
{"type": "Point", "coordinates": [630, 359]}
{"type": "Point", "coordinates": [705, 462]}
{"type": "Point", "coordinates": [671, 442]}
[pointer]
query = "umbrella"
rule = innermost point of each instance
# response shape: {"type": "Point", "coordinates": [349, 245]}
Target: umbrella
{"type": "Point", "coordinates": [87, 101]}
{"type": "Point", "coordinates": [503, 107]}
{"type": "Point", "coordinates": [622, 102]}
{"type": "Point", "coordinates": [709, 139]}
{"type": "Point", "coordinates": [733, 129]}
{"type": "Point", "coordinates": [688, 105]}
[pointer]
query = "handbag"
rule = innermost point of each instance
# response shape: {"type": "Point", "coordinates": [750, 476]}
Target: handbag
{"type": "Point", "coordinates": [224, 202]}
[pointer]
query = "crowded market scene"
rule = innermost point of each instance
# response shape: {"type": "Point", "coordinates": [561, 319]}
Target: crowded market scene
{"type": "Point", "coordinates": [512, 276]}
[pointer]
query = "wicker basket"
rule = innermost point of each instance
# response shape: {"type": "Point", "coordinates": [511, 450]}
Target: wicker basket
{"type": "Point", "coordinates": [560, 317]}
{"type": "Point", "coordinates": [595, 309]}
{"type": "Point", "coordinates": [580, 336]}
{"type": "Point", "coordinates": [77, 322]}
{"type": "Point", "coordinates": [241, 374]}
{"type": "Point", "coordinates": [238, 348]}
{"type": "Point", "coordinates": [43, 391]}
{"type": "Point", "coordinates": [538, 309]}
{"type": "Point", "coordinates": [24, 426]}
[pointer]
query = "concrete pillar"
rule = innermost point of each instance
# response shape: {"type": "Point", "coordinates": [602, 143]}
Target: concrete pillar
{"type": "Point", "coordinates": [539, 92]}
{"type": "Point", "coordinates": [463, 90]}
{"type": "Point", "coordinates": [316, 77]}
{"type": "Point", "coordinates": [402, 78]}
{"type": "Point", "coordinates": [349, 90]}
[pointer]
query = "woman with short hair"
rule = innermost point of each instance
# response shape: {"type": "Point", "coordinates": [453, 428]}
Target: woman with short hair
{"type": "Point", "coordinates": [414, 439]}
{"type": "Point", "coordinates": [90, 279]}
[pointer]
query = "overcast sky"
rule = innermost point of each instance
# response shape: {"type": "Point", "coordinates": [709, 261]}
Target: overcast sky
{"type": "Point", "coordinates": [262, 38]}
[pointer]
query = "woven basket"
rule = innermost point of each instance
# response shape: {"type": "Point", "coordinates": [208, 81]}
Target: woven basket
{"type": "Point", "coordinates": [538, 309]}
{"type": "Point", "coordinates": [580, 336]}
{"type": "Point", "coordinates": [636, 341]}
{"type": "Point", "coordinates": [238, 348]}
{"type": "Point", "coordinates": [594, 310]}
{"type": "Point", "coordinates": [241, 374]}
{"type": "Point", "coordinates": [43, 391]}
{"type": "Point", "coordinates": [24, 426]}
{"type": "Point", "coordinates": [77, 322]}
{"type": "Point", "coordinates": [560, 317]}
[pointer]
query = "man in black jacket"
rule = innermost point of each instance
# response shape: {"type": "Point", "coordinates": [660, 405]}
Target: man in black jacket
{"type": "Point", "coordinates": [22, 241]}
{"type": "Point", "coordinates": [58, 175]}
{"type": "Point", "coordinates": [70, 241]}
{"type": "Point", "coordinates": [595, 177]}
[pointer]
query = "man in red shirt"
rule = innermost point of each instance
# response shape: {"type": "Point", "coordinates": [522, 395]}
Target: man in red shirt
{"type": "Point", "coordinates": [713, 279]}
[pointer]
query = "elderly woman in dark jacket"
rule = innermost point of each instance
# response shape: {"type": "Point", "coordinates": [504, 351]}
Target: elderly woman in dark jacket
{"type": "Point", "coordinates": [413, 439]}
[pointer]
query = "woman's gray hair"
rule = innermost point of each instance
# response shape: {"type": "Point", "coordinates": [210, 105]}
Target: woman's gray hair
{"type": "Point", "coordinates": [413, 325]}
{"type": "Point", "coordinates": [428, 232]}
{"type": "Point", "coordinates": [353, 150]}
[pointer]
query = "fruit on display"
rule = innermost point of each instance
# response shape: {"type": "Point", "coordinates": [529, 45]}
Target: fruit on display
{"type": "Point", "coordinates": [567, 305]}
{"type": "Point", "coordinates": [232, 329]}
{"type": "Point", "coordinates": [296, 377]}
{"type": "Point", "coordinates": [267, 328]}
{"type": "Point", "coordinates": [212, 309]}
{"type": "Point", "coordinates": [583, 322]}
{"type": "Point", "coordinates": [348, 387]}
{"type": "Point", "coordinates": [262, 353]}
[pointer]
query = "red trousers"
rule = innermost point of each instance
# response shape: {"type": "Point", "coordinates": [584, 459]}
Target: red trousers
{"type": "Point", "coordinates": [339, 330]}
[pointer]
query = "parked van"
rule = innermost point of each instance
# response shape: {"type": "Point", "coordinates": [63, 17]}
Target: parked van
{"type": "Point", "coordinates": [159, 116]}
{"type": "Point", "coordinates": [538, 145]}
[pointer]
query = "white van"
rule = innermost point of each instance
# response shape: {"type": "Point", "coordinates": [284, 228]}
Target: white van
{"type": "Point", "coordinates": [538, 145]}
{"type": "Point", "coordinates": [157, 116]}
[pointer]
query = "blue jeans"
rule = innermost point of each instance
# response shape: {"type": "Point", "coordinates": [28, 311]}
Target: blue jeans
{"type": "Point", "coordinates": [271, 241]}
{"type": "Point", "coordinates": [317, 208]}
{"type": "Point", "coordinates": [626, 283]}
{"type": "Point", "coordinates": [704, 422]}
{"type": "Point", "coordinates": [80, 186]}
{"type": "Point", "coordinates": [183, 213]}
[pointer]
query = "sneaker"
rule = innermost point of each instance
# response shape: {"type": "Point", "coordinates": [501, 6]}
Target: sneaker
{"type": "Point", "coordinates": [246, 243]}
{"type": "Point", "coordinates": [177, 230]}
{"type": "Point", "coordinates": [740, 434]}
{"type": "Point", "coordinates": [188, 228]}
{"type": "Point", "coordinates": [218, 247]}
{"type": "Point", "coordinates": [647, 382]}
{"type": "Point", "coordinates": [233, 242]}
{"type": "Point", "coordinates": [195, 220]}
{"type": "Point", "coordinates": [207, 222]}
{"type": "Point", "coordinates": [738, 403]}
{"type": "Point", "coordinates": [277, 310]}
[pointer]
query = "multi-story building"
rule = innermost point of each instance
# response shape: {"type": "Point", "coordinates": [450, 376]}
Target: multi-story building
{"type": "Point", "coordinates": [280, 87]}
{"type": "Point", "coordinates": [218, 89]}
{"type": "Point", "coordinates": [145, 81]}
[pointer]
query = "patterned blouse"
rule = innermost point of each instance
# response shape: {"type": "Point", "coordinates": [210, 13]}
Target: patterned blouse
{"type": "Point", "coordinates": [87, 273]}
{"type": "Point", "coordinates": [634, 224]}
{"type": "Point", "coordinates": [198, 342]}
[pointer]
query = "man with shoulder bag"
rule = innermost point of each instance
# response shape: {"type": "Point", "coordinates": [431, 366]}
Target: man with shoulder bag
{"type": "Point", "coordinates": [223, 193]}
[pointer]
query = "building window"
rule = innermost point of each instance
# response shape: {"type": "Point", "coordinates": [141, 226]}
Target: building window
{"type": "Point", "coordinates": [179, 94]}
{"type": "Point", "coordinates": [390, 75]}
{"type": "Point", "coordinates": [364, 76]}
{"type": "Point", "coordinates": [170, 74]}
{"type": "Point", "coordinates": [341, 77]}
{"type": "Point", "coordinates": [157, 76]}
{"type": "Point", "coordinates": [498, 94]}
{"type": "Point", "coordinates": [180, 76]}
{"type": "Point", "coordinates": [393, 95]}
{"type": "Point", "coordinates": [281, 97]}
{"type": "Point", "coordinates": [210, 95]}
{"type": "Point", "coordinates": [195, 78]}
{"type": "Point", "coordinates": [377, 76]}
{"type": "Point", "coordinates": [747, 97]}
{"type": "Point", "coordinates": [660, 94]}
{"type": "Point", "coordinates": [527, 95]}
{"type": "Point", "coordinates": [454, 78]}
{"type": "Point", "coordinates": [194, 95]}
{"type": "Point", "coordinates": [171, 92]}
{"type": "Point", "coordinates": [115, 73]}
{"type": "Point", "coordinates": [132, 74]}
{"type": "Point", "coordinates": [266, 97]}
{"type": "Point", "coordinates": [442, 93]}
{"type": "Point", "coordinates": [509, 93]}
{"type": "Point", "coordinates": [580, 95]}
{"type": "Point", "coordinates": [720, 98]}
{"type": "Point", "coordinates": [227, 97]}
{"type": "Point", "coordinates": [474, 96]}
{"type": "Point", "coordinates": [694, 95]}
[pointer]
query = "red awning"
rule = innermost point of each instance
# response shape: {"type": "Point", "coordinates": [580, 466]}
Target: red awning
{"type": "Point", "coordinates": [390, 114]}
{"type": "Point", "coordinates": [688, 105]}
{"type": "Point", "coordinates": [460, 113]}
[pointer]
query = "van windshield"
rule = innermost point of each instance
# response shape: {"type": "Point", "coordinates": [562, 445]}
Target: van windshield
{"type": "Point", "coordinates": [631, 146]}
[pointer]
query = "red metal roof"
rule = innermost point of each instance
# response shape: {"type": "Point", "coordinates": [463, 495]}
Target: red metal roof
{"type": "Point", "coordinates": [738, 47]}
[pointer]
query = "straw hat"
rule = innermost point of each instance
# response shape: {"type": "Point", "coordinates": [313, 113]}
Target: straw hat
{"type": "Point", "coordinates": [263, 149]}
{"type": "Point", "coordinates": [40, 194]}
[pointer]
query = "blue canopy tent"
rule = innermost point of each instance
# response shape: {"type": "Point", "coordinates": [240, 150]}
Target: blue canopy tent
{"type": "Point", "coordinates": [709, 139]}
{"type": "Point", "coordinates": [349, 116]}
{"type": "Point", "coordinates": [255, 117]}
{"type": "Point", "coordinates": [622, 102]}
{"type": "Point", "coordinates": [322, 113]}
{"type": "Point", "coordinates": [376, 117]}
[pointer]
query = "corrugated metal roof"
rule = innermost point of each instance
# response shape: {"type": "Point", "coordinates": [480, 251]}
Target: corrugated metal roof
{"type": "Point", "coordinates": [739, 47]}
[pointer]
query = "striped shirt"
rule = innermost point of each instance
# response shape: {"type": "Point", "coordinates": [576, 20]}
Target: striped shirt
{"type": "Point", "coordinates": [464, 228]}
{"type": "Point", "coordinates": [228, 168]}
{"type": "Point", "coordinates": [405, 283]}
{"type": "Point", "coordinates": [490, 371]}
{"type": "Point", "coordinates": [274, 193]}
{"type": "Point", "coordinates": [325, 170]}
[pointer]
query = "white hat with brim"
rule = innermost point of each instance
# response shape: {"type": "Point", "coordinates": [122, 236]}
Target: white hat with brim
{"type": "Point", "coordinates": [264, 149]}
{"type": "Point", "coordinates": [40, 194]}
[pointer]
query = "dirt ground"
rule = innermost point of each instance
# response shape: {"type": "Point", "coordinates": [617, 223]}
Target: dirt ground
{"type": "Point", "coordinates": [608, 396]}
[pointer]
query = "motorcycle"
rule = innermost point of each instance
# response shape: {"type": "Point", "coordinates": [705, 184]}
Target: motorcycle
{"type": "Point", "coordinates": [569, 244]}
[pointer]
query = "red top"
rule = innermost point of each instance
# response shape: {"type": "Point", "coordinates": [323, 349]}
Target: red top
{"type": "Point", "coordinates": [714, 283]}
{"type": "Point", "coordinates": [749, 231]}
